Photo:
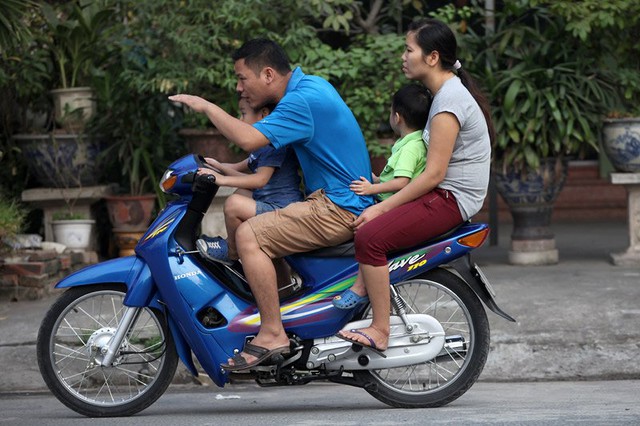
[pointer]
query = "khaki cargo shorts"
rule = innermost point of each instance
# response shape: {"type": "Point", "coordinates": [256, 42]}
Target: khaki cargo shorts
{"type": "Point", "coordinates": [303, 226]}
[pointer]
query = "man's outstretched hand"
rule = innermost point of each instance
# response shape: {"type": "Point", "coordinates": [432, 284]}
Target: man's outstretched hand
{"type": "Point", "coordinates": [196, 103]}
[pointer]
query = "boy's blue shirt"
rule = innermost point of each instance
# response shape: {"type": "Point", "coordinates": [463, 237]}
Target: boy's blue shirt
{"type": "Point", "coordinates": [314, 120]}
{"type": "Point", "coordinates": [284, 185]}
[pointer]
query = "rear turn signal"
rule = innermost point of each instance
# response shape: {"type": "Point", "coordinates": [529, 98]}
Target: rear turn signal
{"type": "Point", "coordinates": [474, 240]}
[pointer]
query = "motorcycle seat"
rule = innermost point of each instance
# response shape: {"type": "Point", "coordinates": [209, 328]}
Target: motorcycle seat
{"type": "Point", "coordinates": [347, 249]}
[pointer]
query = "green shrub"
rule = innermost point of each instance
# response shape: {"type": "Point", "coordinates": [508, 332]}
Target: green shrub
{"type": "Point", "coordinates": [12, 217]}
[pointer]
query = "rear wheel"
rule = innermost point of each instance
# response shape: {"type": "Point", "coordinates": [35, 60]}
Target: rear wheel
{"type": "Point", "coordinates": [437, 382]}
{"type": "Point", "coordinates": [71, 343]}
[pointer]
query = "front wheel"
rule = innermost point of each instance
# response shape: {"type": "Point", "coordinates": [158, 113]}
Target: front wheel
{"type": "Point", "coordinates": [446, 377]}
{"type": "Point", "coordinates": [71, 342]}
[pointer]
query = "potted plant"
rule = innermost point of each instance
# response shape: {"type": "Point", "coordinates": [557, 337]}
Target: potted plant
{"type": "Point", "coordinates": [547, 98]}
{"type": "Point", "coordinates": [73, 230]}
{"type": "Point", "coordinates": [61, 160]}
{"type": "Point", "coordinates": [66, 53]}
{"type": "Point", "coordinates": [71, 225]}
{"type": "Point", "coordinates": [130, 213]}
{"type": "Point", "coordinates": [74, 34]}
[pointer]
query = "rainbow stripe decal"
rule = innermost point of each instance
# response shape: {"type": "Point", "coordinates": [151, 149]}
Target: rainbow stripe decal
{"type": "Point", "coordinates": [307, 309]}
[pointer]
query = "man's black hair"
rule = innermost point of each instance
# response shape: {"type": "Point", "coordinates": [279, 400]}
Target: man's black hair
{"type": "Point", "coordinates": [261, 52]}
{"type": "Point", "coordinates": [412, 103]}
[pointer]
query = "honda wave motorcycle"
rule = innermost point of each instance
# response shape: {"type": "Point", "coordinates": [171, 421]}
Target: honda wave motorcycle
{"type": "Point", "coordinates": [109, 346]}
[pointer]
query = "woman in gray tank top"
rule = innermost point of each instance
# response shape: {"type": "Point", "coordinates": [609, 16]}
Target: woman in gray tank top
{"type": "Point", "coordinates": [450, 190]}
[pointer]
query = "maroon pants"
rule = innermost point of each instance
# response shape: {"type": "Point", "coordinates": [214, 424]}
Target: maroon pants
{"type": "Point", "coordinates": [407, 225]}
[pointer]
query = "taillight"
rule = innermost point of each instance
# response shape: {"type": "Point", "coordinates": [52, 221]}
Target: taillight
{"type": "Point", "coordinates": [474, 240]}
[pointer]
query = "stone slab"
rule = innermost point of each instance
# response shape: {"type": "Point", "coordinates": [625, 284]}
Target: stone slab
{"type": "Point", "coordinates": [625, 178]}
{"type": "Point", "coordinates": [44, 196]}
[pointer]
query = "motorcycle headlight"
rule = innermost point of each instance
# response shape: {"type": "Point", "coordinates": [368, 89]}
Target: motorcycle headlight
{"type": "Point", "coordinates": [168, 181]}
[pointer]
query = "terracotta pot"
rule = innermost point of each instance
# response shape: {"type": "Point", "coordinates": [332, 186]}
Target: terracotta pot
{"type": "Point", "coordinates": [130, 213]}
{"type": "Point", "coordinates": [211, 143]}
{"type": "Point", "coordinates": [126, 242]}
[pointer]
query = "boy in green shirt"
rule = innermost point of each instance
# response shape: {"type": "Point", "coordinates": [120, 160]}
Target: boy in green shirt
{"type": "Point", "coordinates": [409, 112]}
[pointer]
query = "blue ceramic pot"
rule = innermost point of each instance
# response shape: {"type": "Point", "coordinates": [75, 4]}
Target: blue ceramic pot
{"type": "Point", "coordinates": [61, 161]}
{"type": "Point", "coordinates": [530, 196]}
{"type": "Point", "coordinates": [621, 143]}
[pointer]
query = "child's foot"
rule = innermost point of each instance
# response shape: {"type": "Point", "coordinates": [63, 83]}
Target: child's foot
{"type": "Point", "coordinates": [215, 249]}
{"type": "Point", "coordinates": [349, 300]}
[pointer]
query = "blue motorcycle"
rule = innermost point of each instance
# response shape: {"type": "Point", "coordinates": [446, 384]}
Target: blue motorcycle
{"type": "Point", "coordinates": [109, 346]}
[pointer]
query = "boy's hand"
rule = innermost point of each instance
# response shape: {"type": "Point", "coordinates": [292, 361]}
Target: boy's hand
{"type": "Point", "coordinates": [361, 187]}
{"type": "Point", "coordinates": [207, 171]}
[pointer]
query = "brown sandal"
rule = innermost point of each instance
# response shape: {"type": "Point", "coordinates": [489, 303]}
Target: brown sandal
{"type": "Point", "coordinates": [262, 354]}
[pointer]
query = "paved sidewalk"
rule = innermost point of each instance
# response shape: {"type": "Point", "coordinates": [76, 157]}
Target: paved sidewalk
{"type": "Point", "coordinates": [579, 319]}
{"type": "Point", "coordinates": [576, 320]}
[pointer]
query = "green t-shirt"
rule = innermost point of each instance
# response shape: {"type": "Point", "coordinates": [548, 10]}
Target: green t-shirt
{"type": "Point", "coordinates": [408, 159]}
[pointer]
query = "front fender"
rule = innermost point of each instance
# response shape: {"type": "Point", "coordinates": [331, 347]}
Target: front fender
{"type": "Point", "coordinates": [131, 271]}
{"type": "Point", "coordinates": [111, 271]}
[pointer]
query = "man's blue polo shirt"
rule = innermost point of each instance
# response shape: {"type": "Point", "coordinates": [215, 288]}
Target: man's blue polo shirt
{"type": "Point", "coordinates": [315, 121]}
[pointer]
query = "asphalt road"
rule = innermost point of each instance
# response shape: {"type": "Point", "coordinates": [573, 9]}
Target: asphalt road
{"type": "Point", "coordinates": [534, 403]}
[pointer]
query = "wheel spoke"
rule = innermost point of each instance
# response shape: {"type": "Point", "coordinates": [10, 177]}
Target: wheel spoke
{"type": "Point", "coordinates": [83, 374]}
{"type": "Point", "coordinates": [81, 356]}
{"type": "Point", "coordinates": [135, 375]}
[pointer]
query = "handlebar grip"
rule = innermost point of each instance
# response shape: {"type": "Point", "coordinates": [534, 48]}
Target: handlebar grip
{"type": "Point", "coordinates": [204, 183]}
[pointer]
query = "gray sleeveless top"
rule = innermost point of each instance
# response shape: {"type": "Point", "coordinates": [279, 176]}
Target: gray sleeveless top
{"type": "Point", "coordinates": [468, 172]}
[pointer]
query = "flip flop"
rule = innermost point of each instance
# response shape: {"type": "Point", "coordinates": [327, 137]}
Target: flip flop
{"type": "Point", "coordinates": [371, 345]}
{"type": "Point", "coordinates": [348, 300]}
{"type": "Point", "coordinates": [261, 354]}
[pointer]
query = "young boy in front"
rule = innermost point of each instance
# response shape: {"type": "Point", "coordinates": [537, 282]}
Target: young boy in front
{"type": "Point", "coordinates": [267, 180]}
